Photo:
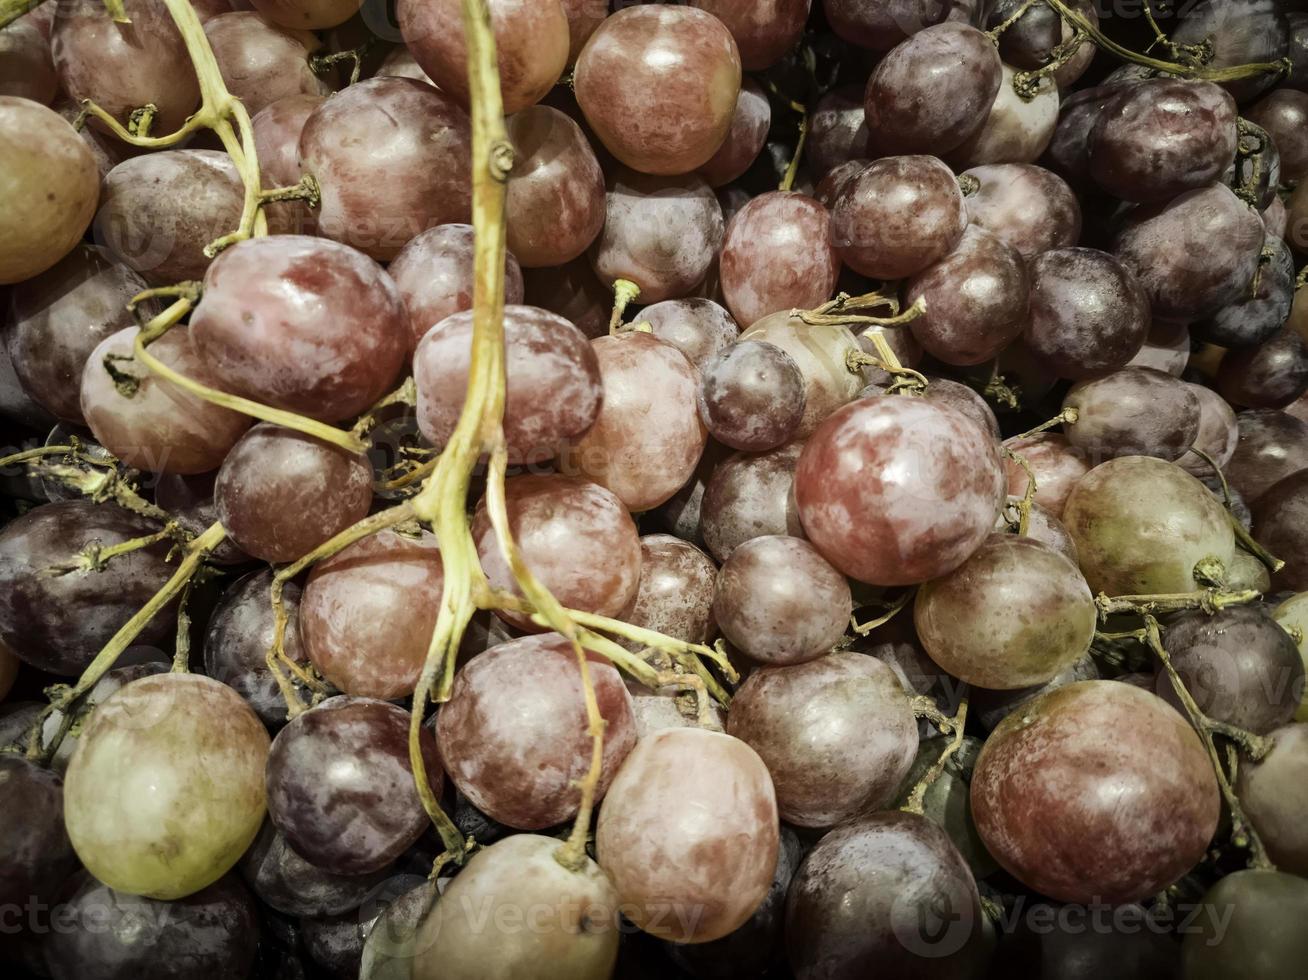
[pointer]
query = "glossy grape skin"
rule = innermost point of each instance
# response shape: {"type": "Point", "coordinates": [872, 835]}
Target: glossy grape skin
{"type": "Point", "coordinates": [553, 375]}
{"type": "Point", "coordinates": [688, 834]}
{"type": "Point", "coordinates": [880, 26]}
{"type": "Point", "coordinates": [555, 205]}
{"type": "Point", "coordinates": [1141, 524]}
{"type": "Point", "coordinates": [750, 495]}
{"type": "Point", "coordinates": [886, 893]}
{"type": "Point", "coordinates": [367, 613]}
{"type": "Point", "coordinates": [976, 300]}
{"type": "Point", "coordinates": [340, 787]}
{"type": "Point", "coordinates": [1193, 254]}
{"type": "Point", "coordinates": [58, 623]}
{"type": "Point", "coordinates": [261, 327]}
{"type": "Point", "coordinates": [658, 84]}
{"type": "Point", "coordinates": [837, 735]}
{"type": "Point", "coordinates": [107, 935]}
{"type": "Point", "coordinates": [1263, 936]}
{"type": "Point", "coordinates": [675, 596]}
{"type": "Point", "coordinates": [277, 129]}
{"type": "Point", "coordinates": [648, 438]}
{"type": "Point", "coordinates": [1089, 315]}
{"type": "Point", "coordinates": [1271, 446]}
{"type": "Point", "coordinates": [291, 885]}
{"type": "Point", "coordinates": [1281, 526]}
{"type": "Point", "coordinates": [764, 30]}
{"type": "Point", "coordinates": [280, 493]}
{"type": "Point", "coordinates": [166, 788]}
{"type": "Point", "coordinates": [1094, 795]}
{"type": "Point", "coordinates": [895, 491]}
{"type": "Point", "coordinates": [1283, 114]}
{"type": "Point", "coordinates": [261, 63]}
{"type": "Point", "coordinates": [1239, 665]}
{"type": "Point", "coordinates": [1255, 317]}
{"type": "Point", "coordinates": [662, 233]}
{"type": "Point", "coordinates": [1133, 412]}
{"type": "Point", "coordinates": [575, 536]}
{"type": "Point", "coordinates": [752, 396]}
{"type": "Point", "coordinates": [779, 223]}
{"type": "Point", "coordinates": [1026, 206]}
{"type": "Point", "coordinates": [26, 68]}
{"type": "Point", "coordinates": [745, 139]}
{"type": "Point", "coordinates": [897, 216]}
{"type": "Point", "coordinates": [36, 855]}
{"type": "Point", "coordinates": [821, 352]}
{"type": "Point", "coordinates": [1271, 792]}
{"type": "Point", "coordinates": [123, 67]}
{"type": "Point", "coordinates": [697, 327]}
{"type": "Point", "coordinates": [59, 317]}
{"type": "Point", "coordinates": [1013, 615]}
{"type": "Point", "coordinates": [837, 130]}
{"type": "Point", "coordinates": [307, 14]}
{"type": "Point", "coordinates": [932, 92]}
{"type": "Point", "coordinates": [571, 917]}
{"type": "Point", "coordinates": [513, 736]}
{"type": "Point", "coordinates": [433, 273]}
{"type": "Point", "coordinates": [405, 171]}
{"type": "Point", "coordinates": [830, 186]}
{"type": "Point", "coordinates": [1218, 433]}
{"type": "Point", "coordinates": [1015, 131]}
{"type": "Point", "coordinates": [1270, 375]}
{"type": "Point", "coordinates": [1239, 35]}
{"type": "Point", "coordinates": [780, 601]}
{"type": "Point", "coordinates": [51, 184]}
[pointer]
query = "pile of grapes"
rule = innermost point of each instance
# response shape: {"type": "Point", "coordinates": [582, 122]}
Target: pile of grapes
{"type": "Point", "coordinates": [559, 489]}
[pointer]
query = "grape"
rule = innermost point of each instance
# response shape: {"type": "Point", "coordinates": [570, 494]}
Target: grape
{"type": "Point", "coordinates": [1247, 572]}
{"type": "Point", "coordinates": [752, 396]}
{"type": "Point", "coordinates": [36, 855]}
{"type": "Point", "coordinates": [260, 62]}
{"type": "Point", "coordinates": [830, 186]}
{"type": "Point", "coordinates": [403, 170]}
{"type": "Point", "coordinates": [166, 788]}
{"type": "Point", "coordinates": [513, 736]}
{"type": "Point", "coordinates": [1275, 219]}
{"type": "Point", "coordinates": [1133, 412]}
{"type": "Point", "coordinates": [1026, 206]}
{"type": "Point", "coordinates": [291, 885]}
{"type": "Point", "coordinates": [1069, 148]}
{"type": "Point", "coordinates": [340, 787]}
{"type": "Point", "coordinates": [58, 319]}
{"type": "Point", "coordinates": [946, 802]}
{"type": "Point", "coordinates": [976, 300]}
{"type": "Point", "coordinates": [367, 614]}
{"type": "Point", "coordinates": [301, 324]}
{"type": "Point", "coordinates": [58, 623]}
{"type": "Point", "coordinates": [307, 14]}
{"type": "Point", "coordinates": [837, 735]}
{"type": "Point", "coordinates": [881, 25]}
{"type": "Point", "coordinates": [779, 223]}
{"type": "Point", "coordinates": [764, 30]}
{"type": "Point", "coordinates": [957, 396]}
{"type": "Point", "coordinates": [1271, 446]}
{"type": "Point", "coordinates": [1089, 314]}
{"type": "Point", "coordinates": [1297, 221]}
{"type": "Point", "coordinates": [1166, 347]}
{"type": "Point", "coordinates": [51, 186]}
{"type": "Point", "coordinates": [281, 493]}
{"type": "Point", "coordinates": [400, 63]}
{"type": "Point", "coordinates": [697, 327]}
{"type": "Point", "coordinates": [821, 352]}
{"type": "Point", "coordinates": [932, 92]}
{"type": "Point", "coordinates": [886, 893]}
{"type": "Point", "coordinates": [1239, 666]}
{"type": "Point", "coordinates": [531, 46]}
{"type": "Point", "coordinates": [554, 383]}
{"type": "Point", "coordinates": [1241, 35]}
{"type": "Point", "coordinates": [1013, 615]}
{"type": "Point", "coordinates": [1042, 527]}
{"type": "Point", "coordinates": [122, 67]}
{"type": "Point", "coordinates": [26, 68]}
{"type": "Point", "coordinates": [335, 944]}
{"type": "Point", "coordinates": [1015, 131]}
{"type": "Point", "coordinates": [991, 707]}
{"type": "Point", "coordinates": [1141, 525]}
{"type": "Point", "coordinates": [583, 17]}
{"type": "Point", "coordinates": [750, 495]}
{"type": "Point", "coordinates": [675, 596]}
{"type": "Point", "coordinates": [277, 129]}
{"type": "Point", "coordinates": [105, 686]}
{"type": "Point", "coordinates": [435, 277]}
{"type": "Point", "coordinates": [573, 291]}
{"type": "Point", "coordinates": [745, 139]}
{"type": "Point", "coordinates": [1255, 319]}
{"type": "Point", "coordinates": [159, 211]}
{"type": "Point", "coordinates": [1283, 115]}
{"type": "Point", "coordinates": [1271, 793]}
{"type": "Point", "coordinates": [1052, 797]}
{"type": "Point", "coordinates": [1281, 524]}
{"type": "Point", "coordinates": [898, 216]}
{"type": "Point", "coordinates": [576, 537]}
{"type": "Point", "coordinates": [1271, 375]}
{"type": "Point", "coordinates": [105, 934]}
{"type": "Point", "coordinates": [837, 130]}
{"type": "Point", "coordinates": [1261, 935]}
{"type": "Point", "coordinates": [659, 84]}
{"type": "Point", "coordinates": [648, 437]}
{"type": "Point", "coordinates": [1055, 941]}
{"type": "Point", "coordinates": [571, 922]}
{"type": "Point", "coordinates": [555, 203]}
{"type": "Point", "coordinates": [1218, 433]}
{"type": "Point", "coordinates": [688, 834]}
{"type": "Point", "coordinates": [780, 601]}
{"type": "Point", "coordinates": [1292, 614]}
{"type": "Point", "coordinates": [662, 233]}
{"type": "Point", "coordinates": [1193, 254]}
{"type": "Point", "coordinates": [894, 491]}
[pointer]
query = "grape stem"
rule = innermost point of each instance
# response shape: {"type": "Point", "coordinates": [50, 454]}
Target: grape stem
{"type": "Point", "coordinates": [820, 317]}
{"type": "Point", "coordinates": [863, 629]}
{"type": "Point", "coordinates": [792, 169]}
{"type": "Point", "coordinates": [80, 474]}
{"type": "Point", "coordinates": [1028, 495]}
{"type": "Point", "coordinates": [1068, 416]}
{"type": "Point", "coordinates": [624, 292]}
{"type": "Point", "coordinates": [94, 558]}
{"type": "Point", "coordinates": [952, 726]}
{"type": "Point", "coordinates": [1209, 600]}
{"type": "Point", "coordinates": [1242, 534]}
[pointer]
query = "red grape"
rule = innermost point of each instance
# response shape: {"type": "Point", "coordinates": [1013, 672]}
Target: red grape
{"type": "Point", "coordinates": [277, 129]}
{"type": "Point", "coordinates": [1056, 464]}
{"type": "Point", "coordinates": [1133, 412]}
{"type": "Point", "coordinates": [26, 68]}
{"type": "Point", "coordinates": [262, 63]}
{"type": "Point", "coordinates": [1271, 791]}
{"type": "Point", "coordinates": [697, 327]}
{"type": "Point", "coordinates": [1016, 130]}
{"type": "Point", "coordinates": [821, 352]}
{"type": "Point", "coordinates": [745, 139]}
{"type": "Point", "coordinates": [675, 596]}
{"type": "Point", "coordinates": [749, 495]}
{"type": "Point", "coordinates": [1029, 207]}
{"type": "Point", "coordinates": [837, 130]}
{"type": "Point", "coordinates": [752, 396]}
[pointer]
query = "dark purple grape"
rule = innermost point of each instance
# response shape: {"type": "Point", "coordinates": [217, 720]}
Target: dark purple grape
{"type": "Point", "coordinates": [35, 853]}
{"type": "Point", "coordinates": [1271, 446]}
{"type": "Point", "coordinates": [291, 885]}
{"type": "Point", "coordinates": [189, 501]}
{"type": "Point", "coordinates": [1028, 207]}
{"type": "Point", "coordinates": [1280, 520]}
{"type": "Point", "coordinates": [1016, 130]}
{"type": "Point", "coordinates": [1218, 433]}
{"type": "Point", "coordinates": [1068, 153]}
{"type": "Point", "coordinates": [1133, 412]}
{"type": "Point", "coordinates": [1262, 933]}
{"type": "Point", "coordinates": [837, 132]}
{"type": "Point", "coordinates": [991, 707]}
{"type": "Point", "coordinates": [1271, 791]}
{"type": "Point", "coordinates": [1270, 375]}
{"type": "Point", "coordinates": [751, 396]}
{"type": "Point", "coordinates": [764, 30]}
{"type": "Point", "coordinates": [1283, 116]}
{"type": "Point", "coordinates": [1255, 317]}
{"type": "Point", "coordinates": [1166, 347]}
{"type": "Point", "coordinates": [1240, 34]}
{"type": "Point", "coordinates": [881, 25]}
